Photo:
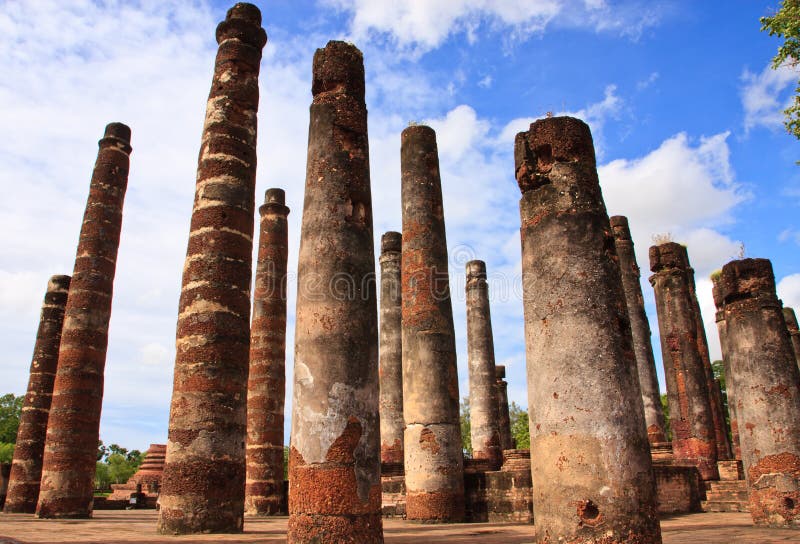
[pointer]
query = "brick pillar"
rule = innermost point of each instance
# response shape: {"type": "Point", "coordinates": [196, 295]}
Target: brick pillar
{"type": "Point", "coordinates": [716, 291]}
{"type": "Point", "coordinates": [794, 332]}
{"type": "Point", "coordinates": [766, 383]}
{"type": "Point", "coordinates": [204, 471]}
{"type": "Point", "coordinates": [433, 454]}
{"type": "Point", "coordinates": [26, 467]}
{"type": "Point", "coordinates": [691, 419]}
{"type": "Point", "coordinates": [484, 417]}
{"type": "Point", "coordinates": [591, 462]}
{"type": "Point", "coordinates": [504, 419]}
{"type": "Point", "coordinates": [391, 351]}
{"type": "Point", "coordinates": [73, 426]}
{"type": "Point", "coordinates": [334, 464]}
{"type": "Point", "coordinates": [640, 329]}
{"type": "Point", "coordinates": [266, 382]}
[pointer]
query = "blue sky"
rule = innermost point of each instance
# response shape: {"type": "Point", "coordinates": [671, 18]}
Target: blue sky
{"type": "Point", "coordinates": [683, 107]}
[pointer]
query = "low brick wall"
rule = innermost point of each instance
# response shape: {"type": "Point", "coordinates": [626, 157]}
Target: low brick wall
{"type": "Point", "coordinates": [679, 489]}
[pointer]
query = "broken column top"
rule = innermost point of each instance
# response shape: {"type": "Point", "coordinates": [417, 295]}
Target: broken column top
{"type": "Point", "coordinates": [275, 202]}
{"type": "Point", "coordinates": [619, 224]}
{"type": "Point", "coordinates": [668, 255]}
{"type": "Point", "coordinates": [338, 70]}
{"type": "Point", "coordinates": [422, 134]}
{"type": "Point", "coordinates": [476, 270]}
{"type": "Point", "coordinates": [716, 289]}
{"type": "Point", "coordinates": [500, 372]}
{"type": "Point", "coordinates": [391, 241]}
{"type": "Point", "coordinates": [58, 282]}
{"type": "Point", "coordinates": [243, 22]}
{"type": "Point", "coordinates": [747, 279]}
{"type": "Point", "coordinates": [791, 319]}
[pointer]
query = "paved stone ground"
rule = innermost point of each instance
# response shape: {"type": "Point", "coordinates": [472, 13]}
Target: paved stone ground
{"type": "Point", "coordinates": [117, 527]}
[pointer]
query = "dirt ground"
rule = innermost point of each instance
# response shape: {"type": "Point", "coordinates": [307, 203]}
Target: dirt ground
{"type": "Point", "coordinates": [117, 527]}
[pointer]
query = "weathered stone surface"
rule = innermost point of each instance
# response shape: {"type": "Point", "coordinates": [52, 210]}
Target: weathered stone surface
{"type": "Point", "coordinates": [484, 417]}
{"type": "Point", "coordinates": [204, 474]}
{"type": "Point", "coordinates": [688, 393]}
{"type": "Point", "coordinates": [334, 464]}
{"type": "Point", "coordinates": [640, 329]}
{"type": "Point", "coordinates": [591, 467]}
{"type": "Point", "coordinates": [391, 350]}
{"type": "Point", "coordinates": [433, 455]}
{"type": "Point", "coordinates": [26, 466]}
{"type": "Point", "coordinates": [266, 382]}
{"type": "Point", "coordinates": [73, 426]}
{"type": "Point", "coordinates": [766, 390]}
{"type": "Point", "coordinates": [794, 332]}
{"type": "Point", "coordinates": [716, 291]}
{"type": "Point", "coordinates": [507, 441]}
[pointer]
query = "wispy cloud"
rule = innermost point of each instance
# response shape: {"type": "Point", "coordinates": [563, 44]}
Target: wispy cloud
{"type": "Point", "coordinates": [765, 95]}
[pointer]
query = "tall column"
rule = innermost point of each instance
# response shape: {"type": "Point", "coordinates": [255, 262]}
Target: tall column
{"type": "Point", "coordinates": [266, 382]}
{"type": "Point", "coordinates": [591, 465]}
{"type": "Point", "coordinates": [204, 471]}
{"type": "Point", "coordinates": [26, 466]}
{"type": "Point", "coordinates": [73, 425]}
{"type": "Point", "coordinates": [794, 332]}
{"type": "Point", "coordinates": [722, 330]}
{"type": "Point", "coordinates": [391, 351]}
{"type": "Point", "coordinates": [484, 418]}
{"type": "Point", "coordinates": [640, 329]}
{"type": "Point", "coordinates": [766, 384]}
{"type": "Point", "coordinates": [334, 463]}
{"type": "Point", "coordinates": [433, 456]}
{"type": "Point", "coordinates": [688, 393]}
{"type": "Point", "coordinates": [504, 418]}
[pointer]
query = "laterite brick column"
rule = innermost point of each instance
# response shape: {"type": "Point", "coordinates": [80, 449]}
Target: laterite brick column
{"type": "Point", "coordinates": [26, 467]}
{"type": "Point", "coordinates": [640, 329]}
{"type": "Point", "coordinates": [266, 382]}
{"type": "Point", "coordinates": [766, 383]}
{"type": "Point", "coordinates": [504, 418]}
{"type": "Point", "coordinates": [433, 457]}
{"type": "Point", "coordinates": [688, 393]}
{"type": "Point", "coordinates": [484, 418]}
{"type": "Point", "coordinates": [590, 462]}
{"type": "Point", "coordinates": [334, 464]}
{"type": "Point", "coordinates": [794, 332]}
{"type": "Point", "coordinates": [73, 426]}
{"type": "Point", "coordinates": [391, 352]}
{"type": "Point", "coordinates": [722, 330]}
{"type": "Point", "coordinates": [204, 471]}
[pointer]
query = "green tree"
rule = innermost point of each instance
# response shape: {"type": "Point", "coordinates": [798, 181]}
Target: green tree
{"type": "Point", "coordinates": [719, 373]}
{"type": "Point", "coordinates": [6, 452]}
{"type": "Point", "coordinates": [10, 410]}
{"type": "Point", "coordinates": [785, 24]}
{"type": "Point", "coordinates": [520, 430]}
{"type": "Point", "coordinates": [115, 465]}
{"type": "Point", "coordinates": [665, 410]}
{"type": "Point", "coordinates": [466, 438]}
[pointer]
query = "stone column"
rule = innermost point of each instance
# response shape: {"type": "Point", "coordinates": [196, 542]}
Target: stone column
{"type": "Point", "coordinates": [204, 470]}
{"type": "Point", "coordinates": [266, 382]}
{"type": "Point", "coordinates": [504, 418]}
{"type": "Point", "coordinates": [334, 464]}
{"type": "Point", "coordinates": [26, 467]}
{"type": "Point", "coordinates": [640, 329]}
{"type": "Point", "coordinates": [484, 418]}
{"type": "Point", "coordinates": [591, 462]}
{"type": "Point", "coordinates": [391, 351]}
{"type": "Point", "coordinates": [433, 455]}
{"type": "Point", "coordinates": [716, 291]}
{"type": "Point", "coordinates": [766, 384]}
{"type": "Point", "coordinates": [73, 425]}
{"type": "Point", "coordinates": [691, 420]}
{"type": "Point", "coordinates": [794, 332]}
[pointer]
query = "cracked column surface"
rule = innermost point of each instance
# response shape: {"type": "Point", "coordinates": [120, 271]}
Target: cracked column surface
{"type": "Point", "coordinates": [334, 464]}
{"type": "Point", "coordinates": [794, 332]}
{"type": "Point", "coordinates": [26, 466]}
{"type": "Point", "coordinates": [591, 463]}
{"type": "Point", "coordinates": [503, 417]}
{"type": "Point", "coordinates": [391, 352]}
{"type": "Point", "coordinates": [640, 329]}
{"type": "Point", "coordinates": [716, 291]}
{"type": "Point", "coordinates": [73, 425]}
{"type": "Point", "coordinates": [691, 420]}
{"type": "Point", "coordinates": [484, 418]}
{"type": "Point", "coordinates": [266, 382]}
{"type": "Point", "coordinates": [204, 471]}
{"type": "Point", "coordinates": [433, 456]}
{"type": "Point", "coordinates": [766, 390]}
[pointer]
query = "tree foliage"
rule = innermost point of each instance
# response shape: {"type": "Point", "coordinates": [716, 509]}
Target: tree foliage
{"type": "Point", "coordinates": [115, 465]}
{"type": "Point", "coordinates": [10, 411]}
{"type": "Point", "coordinates": [466, 438]}
{"type": "Point", "coordinates": [665, 410]}
{"type": "Point", "coordinates": [785, 24]}
{"type": "Point", "coordinates": [520, 429]}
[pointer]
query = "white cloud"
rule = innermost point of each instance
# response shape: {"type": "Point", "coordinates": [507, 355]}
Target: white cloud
{"type": "Point", "coordinates": [647, 82]}
{"type": "Point", "coordinates": [765, 95]}
{"type": "Point", "coordinates": [789, 291]}
{"type": "Point", "coordinates": [485, 82]}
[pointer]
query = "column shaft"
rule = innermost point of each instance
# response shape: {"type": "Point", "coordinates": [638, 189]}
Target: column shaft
{"type": "Point", "coordinates": [391, 351]}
